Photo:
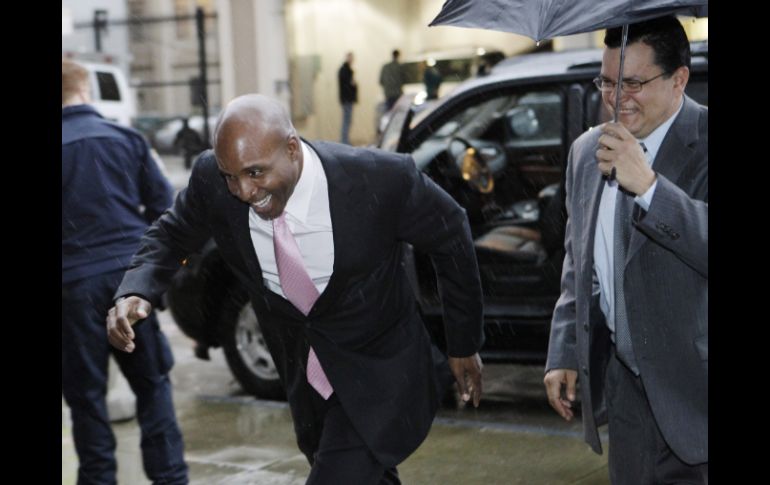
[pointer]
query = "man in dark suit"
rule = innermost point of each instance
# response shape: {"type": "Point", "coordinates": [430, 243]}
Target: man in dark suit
{"type": "Point", "coordinates": [348, 90]}
{"type": "Point", "coordinates": [315, 233]}
{"type": "Point", "coordinates": [632, 319]}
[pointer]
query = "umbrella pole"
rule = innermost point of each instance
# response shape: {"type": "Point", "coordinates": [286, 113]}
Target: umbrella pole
{"type": "Point", "coordinates": [620, 72]}
{"type": "Point", "coordinates": [619, 85]}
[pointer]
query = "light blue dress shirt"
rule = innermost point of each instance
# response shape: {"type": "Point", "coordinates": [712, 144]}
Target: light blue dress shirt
{"type": "Point", "coordinates": [605, 226]}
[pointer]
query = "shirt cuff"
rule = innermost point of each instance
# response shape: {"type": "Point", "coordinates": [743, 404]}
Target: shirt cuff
{"type": "Point", "coordinates": [645, 199]}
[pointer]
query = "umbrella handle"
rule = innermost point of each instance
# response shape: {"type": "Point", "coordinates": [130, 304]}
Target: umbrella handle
{"type": "Point", "coordinates": [619, 84]}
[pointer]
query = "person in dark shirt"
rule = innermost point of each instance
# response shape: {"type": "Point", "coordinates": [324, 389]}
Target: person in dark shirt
{"type": "Point", "coordinates": [483, 69]}
{"type": "Point", "coordinates": [348, 96]}
{"type": "Point", "coordinates": [432, 79]}
{"type": "Point", "coordinates": [112, 189]}
{"type": "Point", "coordinates": [392, 80]}
{"type": "Point", "coordinates": [189, 141]}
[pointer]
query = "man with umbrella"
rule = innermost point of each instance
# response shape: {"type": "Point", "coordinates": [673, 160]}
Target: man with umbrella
{"type": "Point", "coordinates": [632, 319]}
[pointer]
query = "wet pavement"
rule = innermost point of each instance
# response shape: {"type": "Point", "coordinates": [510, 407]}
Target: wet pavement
{"type": "Point", "coordinates": [233, 439]}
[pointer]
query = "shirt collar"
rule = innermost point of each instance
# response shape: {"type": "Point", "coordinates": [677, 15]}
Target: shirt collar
{"type": "Point", "coordinates": [655, 139]}
{"type": "Point", "coordinates": [79, 108]}
{"type": "Point", "coordinates": [298, 205]}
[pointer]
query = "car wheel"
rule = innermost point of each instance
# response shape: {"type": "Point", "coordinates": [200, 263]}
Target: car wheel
{"type": "Point", "coordinates": [247, 353]}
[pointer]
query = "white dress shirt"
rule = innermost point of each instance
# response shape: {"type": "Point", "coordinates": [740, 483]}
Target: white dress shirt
{"type": "Point", "coordinates": [604, 259]}
{"type": "Point", "coordinates": [309, 220]}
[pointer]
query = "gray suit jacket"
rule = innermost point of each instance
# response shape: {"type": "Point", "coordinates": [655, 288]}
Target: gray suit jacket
{"type": "Point", "coordinates": [666, 285]}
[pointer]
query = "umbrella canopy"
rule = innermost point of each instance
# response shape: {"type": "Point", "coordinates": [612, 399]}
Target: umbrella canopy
{"type": "Point", "coordinates": [545, 19]}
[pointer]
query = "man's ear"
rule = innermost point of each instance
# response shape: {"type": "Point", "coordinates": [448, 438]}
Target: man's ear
{"type": "Point", "coordinates": [85, 92]}
{"type": "Point", "coordinates": [294, 147]}
{"type": "Point", "coordinates": [681, 76]}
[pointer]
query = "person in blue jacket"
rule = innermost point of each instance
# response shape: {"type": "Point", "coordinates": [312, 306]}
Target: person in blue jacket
{"type": "Point", "coordinates": [112, 189]}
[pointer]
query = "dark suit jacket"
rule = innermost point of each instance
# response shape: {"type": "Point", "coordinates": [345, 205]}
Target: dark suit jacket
{"type": "Point", "coordinates": [666, 286]}
{"type": "Point", "coordinates": [365, 326]}
{"type": "Point", "coordinates": [347, 90]}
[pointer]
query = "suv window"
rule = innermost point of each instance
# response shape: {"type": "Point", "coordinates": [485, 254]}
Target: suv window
{"type": "Point", "coordinates": [518, 136]}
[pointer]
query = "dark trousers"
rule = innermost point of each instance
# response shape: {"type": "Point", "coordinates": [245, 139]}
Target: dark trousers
{"type": "Point", "coordinates": [85, 359]}
{"type": "Point", "coordinates": [188, 158]}
{"type": "Point", "coordinates": [638, 453]}
{"type": "Point", "coordinates": [341, 457]}
{"type": "Point", "coordinates": [347, 118]}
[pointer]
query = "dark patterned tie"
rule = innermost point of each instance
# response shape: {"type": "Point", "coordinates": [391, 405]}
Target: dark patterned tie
{"type": "Point", "coordinates": [623, 205]}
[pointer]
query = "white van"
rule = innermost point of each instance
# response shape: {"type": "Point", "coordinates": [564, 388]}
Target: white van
{"type": "Point", "coordinates": [110, 93]}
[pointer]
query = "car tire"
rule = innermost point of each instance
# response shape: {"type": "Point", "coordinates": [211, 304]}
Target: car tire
{"type": "Point", "coordinates": [247, 354]}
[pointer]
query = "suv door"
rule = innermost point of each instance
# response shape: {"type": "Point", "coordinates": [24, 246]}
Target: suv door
{"type": "Point", "coordinates": [517, 136]}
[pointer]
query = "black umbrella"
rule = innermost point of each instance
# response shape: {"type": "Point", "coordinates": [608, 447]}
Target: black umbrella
{"type": "Point", "coordinates": [545, 19]}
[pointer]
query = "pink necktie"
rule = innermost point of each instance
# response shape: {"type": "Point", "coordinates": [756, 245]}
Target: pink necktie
{"type": "Point", "coordinates": [300, 291]}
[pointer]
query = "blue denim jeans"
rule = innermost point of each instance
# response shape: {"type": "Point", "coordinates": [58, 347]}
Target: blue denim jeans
{"type": "Point", "coordinates": [85, 358]}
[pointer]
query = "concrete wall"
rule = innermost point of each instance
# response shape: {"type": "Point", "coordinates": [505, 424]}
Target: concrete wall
{"type": "Point", "coordinates": [252, 39]}
{"type": "Point", "coordinates": [322, 31]}
{"type": "Point", "coordinates": [269, 45]}
{"type": "Point", "coordinates": [168, 52]}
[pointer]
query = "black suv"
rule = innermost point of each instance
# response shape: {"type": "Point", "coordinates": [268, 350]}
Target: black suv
{"type": "Point", "coordinates": [498, 144]}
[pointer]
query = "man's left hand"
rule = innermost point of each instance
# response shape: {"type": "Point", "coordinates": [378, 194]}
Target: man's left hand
{"type": "Point", "coordinates": [467, 372]}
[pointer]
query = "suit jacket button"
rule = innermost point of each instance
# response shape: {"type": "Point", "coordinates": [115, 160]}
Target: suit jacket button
{"type": "Point", "coordinates": [585, 327]}
{"type": "Point", "coordinates": [674, 235]}
{"type": "Point", "coordinates": [585, 370]}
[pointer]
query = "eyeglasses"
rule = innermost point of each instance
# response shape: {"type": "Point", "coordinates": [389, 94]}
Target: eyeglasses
{"type": "Point", "coordinates": [628, 85]}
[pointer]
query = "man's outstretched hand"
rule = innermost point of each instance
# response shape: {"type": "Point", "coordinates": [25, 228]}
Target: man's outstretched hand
{"type": "Point", "coordinates": [120, 318]}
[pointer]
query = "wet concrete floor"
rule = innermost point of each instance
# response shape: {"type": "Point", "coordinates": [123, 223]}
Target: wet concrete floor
{"type": "Point", "coordinates": [231, 438]}
{"type": "Point", "coordinates": [234, 439]}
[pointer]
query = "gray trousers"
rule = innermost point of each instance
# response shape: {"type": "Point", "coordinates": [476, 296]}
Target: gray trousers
{"type": "Point", "coordinates": [638, 453]}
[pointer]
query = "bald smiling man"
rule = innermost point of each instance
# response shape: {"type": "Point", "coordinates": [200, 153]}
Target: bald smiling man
{"type": "Point", "coordinates": [315, 232]}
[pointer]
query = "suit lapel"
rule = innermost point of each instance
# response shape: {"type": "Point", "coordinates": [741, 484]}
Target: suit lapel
{"type": "Point", "coordinates": [674, 155]}
{"type": "Point", "coordinates": [238, 217]}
